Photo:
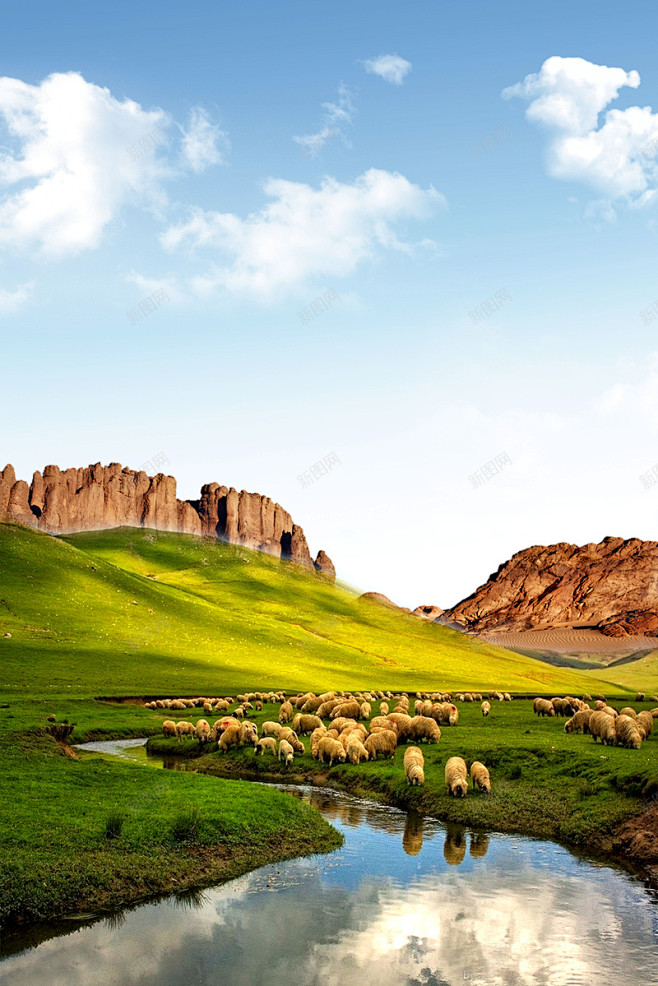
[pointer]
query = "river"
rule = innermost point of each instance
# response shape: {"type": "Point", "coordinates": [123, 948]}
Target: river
{"type": "Point", "coordinates": [406, 901]}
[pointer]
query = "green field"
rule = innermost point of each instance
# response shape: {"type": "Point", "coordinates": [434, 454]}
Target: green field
{"type": "Point", "coordinates": [137, 612]}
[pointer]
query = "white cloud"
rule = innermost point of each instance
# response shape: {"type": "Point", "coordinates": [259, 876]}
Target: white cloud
{"type": "Point", "coordinates": [305, 232]}
{"type": "Point", "coordinates": [77, 155]}
{"type": "Point", "coordinates": [76, 158]}
{"type": "Point", "coordinates": [200, 142]}
{"type": "Point", "coordinates": [336, 115]}
{"type": "Point", "coordinates": [392, 68]}
{"type": "Point", "coordinates": [13, 301]}
{"type": "Point", "coordinates": [617, 158]}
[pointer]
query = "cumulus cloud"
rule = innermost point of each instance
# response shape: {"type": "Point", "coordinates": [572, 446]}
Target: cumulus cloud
{"type": "Point", "coordinates": [200, 143]}
{"type": "Point", "coordinates": [616, 156]}
{"type": "Point", "coordinates": [305, 232]}
{"type": "Point", "coordinates": [13, 301]}
{"type": "Point", "coordinates": [392, 68]}
{"type": "Point", "coordinates": [76, 155]}
{"type": "Point", "coordinates": [336, 115]}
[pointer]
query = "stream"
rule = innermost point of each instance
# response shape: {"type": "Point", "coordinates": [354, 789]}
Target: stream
{"type": "Point", "coordinates": [407, 901]}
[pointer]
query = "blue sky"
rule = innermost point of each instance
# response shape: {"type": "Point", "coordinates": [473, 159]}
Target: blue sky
{"type": "Point", "coordinates": [397, 200]}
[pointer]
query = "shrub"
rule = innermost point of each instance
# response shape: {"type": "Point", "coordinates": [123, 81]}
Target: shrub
{"type": "Point", "coordinates": [113, 825]}
{"type": "Point", "coordinates": [186, 825]}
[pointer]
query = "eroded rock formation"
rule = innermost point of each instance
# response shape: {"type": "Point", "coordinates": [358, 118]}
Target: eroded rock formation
{"type": "Point", "coordinates": [611, 587]}
{"type": "Point", "coordinates": [98, 497]}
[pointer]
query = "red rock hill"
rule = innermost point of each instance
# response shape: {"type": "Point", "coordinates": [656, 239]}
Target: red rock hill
{"type": "Point", "coordinates": [98, 497]}
{"type": "Point", "coordinates": [611, 586]}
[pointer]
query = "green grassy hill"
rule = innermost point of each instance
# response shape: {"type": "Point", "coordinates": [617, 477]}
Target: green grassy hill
{"type": "Point", "coordinates": [130, 611]}
{"type": "Point", "coordinates": [640, 675]}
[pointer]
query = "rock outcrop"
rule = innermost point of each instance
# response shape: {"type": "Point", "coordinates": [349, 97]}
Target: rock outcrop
{"type": "Point", "coordinates": [324, 565]}
{"type": "Point", "coordinates": [428, 612]}
{"type": "Point", "coordinates": [379, 597]}
{"type": "Point", "coordinates": [611, 587]}
{"type": "Point", "coordinates": [98, 497]}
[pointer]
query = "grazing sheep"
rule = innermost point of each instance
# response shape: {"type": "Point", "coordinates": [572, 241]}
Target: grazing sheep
{"type": "Point", "coordinates": [364, 711]}
{"type": "Point", "coordinates": [203, 731]}
{"type": "Point", "coordinates": [327, 707]}
{"type": "Point", "coordinates": [609, 711]}
{"type": "Point", "coordinates": [486, 708]}
{"type": "Point", "coordinates": [599, 705]}
{"type": "Point", "coordinates": [230, 737]}
{"type": "Point", "coordinates": [414, 765]}
{"type": "Point", "coordinates": [348, 710]}
{"type": "Point", "coordinates": [341, 723]}
{"type": "Point", "coordinates": [383, 708]}
{"type": "Point", "coordinates": [316, 736]}
{"type": "Point", "coordinates": [332, 750]}
{"type": "Point", "coordinates": [169, 729]}
{"type": "Point", "coordinates": [543, 707]}
{"type": "Point", "coordinates": [355, 750]}
{"type": "Point", "coordinates": [456, 777]}
{"type": "Point", "coordinates": [286, 752]}
{"type": "Point", "coordinates": [639, 697]}
{"type": "Point", "coordinates": [185, 729]}
{"type": "Point", "coordinates": [381, 722]}
{"type": "Point", "coordinates": [579, 722]}
{"type": "Point", "coordinates": [221, 725]}
{"type": "Point", "coordinates": [402, 723]}
{"type": "Point", "coordinates": [480, 777]}
{"type": "Point", "coordinates": [290, 736]}
{"type": "Point", "coordinates": [507, 696]}
{"type": "Point", "coordinates": [312, 704]}
{"type": "Point", "coordinates": [645, 723]}
{"type": "Point", "coordinates": [271, 729]}
{"type": "Point", "coordinates": [626, 732]}
{"type": "Point", "coordinates": [248, 734]}
{"type": "Point", "coordinates": [383, 742]}
{"type": "Point", "coordinates": [602, 726]}
{"type": "Point", "coordinates": [628, 712]}
{"type": "Point", "coordinates": [266, 743]}
{"type": "Point", "coordinates": [221, 705]}
{"type": "Point", "coordinates": [358, 731]}
{"type": "Point", "coordinates": [423, 728]}
{"type": "Point", "coordinates": [285, 712]}
{"type": "Point", "coordinates": [307, 723]}
{"type": "Point", "coordinates": [445, 713]}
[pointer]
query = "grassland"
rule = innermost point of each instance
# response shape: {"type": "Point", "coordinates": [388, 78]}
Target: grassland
{"type": "Point", "coordinates": [139, 613]}
{"type": "Point", "coordinates": [133, 612]}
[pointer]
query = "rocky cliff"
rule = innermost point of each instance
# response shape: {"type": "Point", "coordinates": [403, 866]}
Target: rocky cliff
{"type": "Point", "coordinates": [611, 586]}
{"type": "Point", "coordinates": [98, 497]}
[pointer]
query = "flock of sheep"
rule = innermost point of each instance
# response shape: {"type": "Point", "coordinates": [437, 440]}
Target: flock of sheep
{"type": "Point", "coordinates": [352, 736]}
{"type": "Point", "coordinates": [613, 727]}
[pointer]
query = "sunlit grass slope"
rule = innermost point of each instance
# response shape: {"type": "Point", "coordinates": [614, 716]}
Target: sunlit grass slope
{"type": "Point", "coordinates": [130, 611]}
{"type": "Point", "coordinates": [636, 676]}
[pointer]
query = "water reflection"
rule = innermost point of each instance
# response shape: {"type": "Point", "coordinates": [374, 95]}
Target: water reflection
{"type": "Point", "coordinates": [412, 837]}
{"type": "Point", "coordinates": [454, 846]}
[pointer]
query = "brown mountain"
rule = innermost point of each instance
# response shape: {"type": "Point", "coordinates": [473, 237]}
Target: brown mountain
{"type": "Point", "coordinates": [98, 497]}
{"type": "Point", "coordinates": [611, 587]}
